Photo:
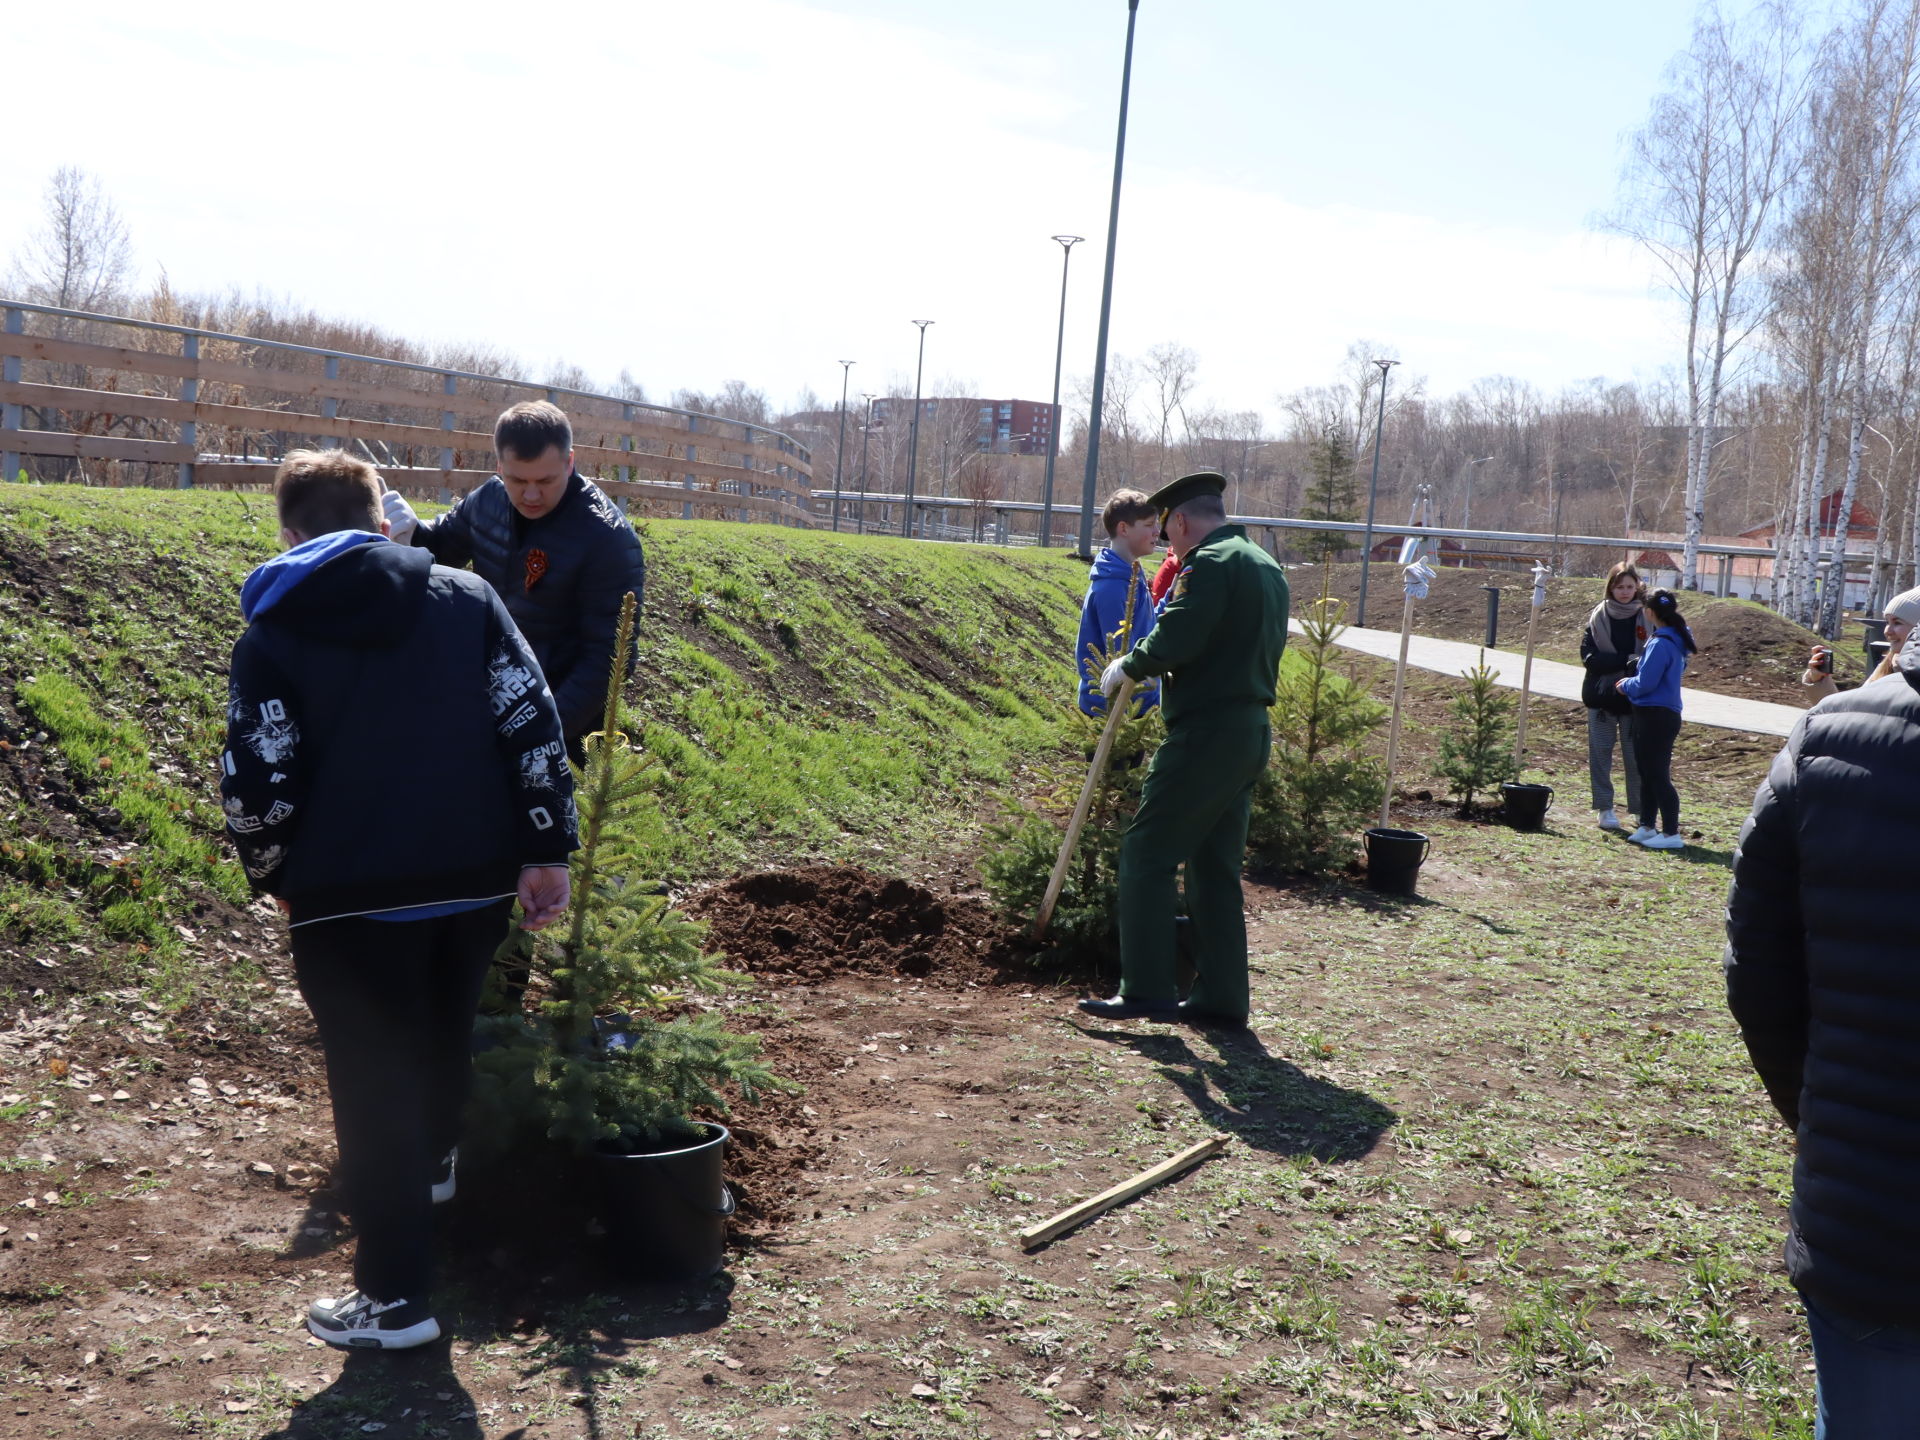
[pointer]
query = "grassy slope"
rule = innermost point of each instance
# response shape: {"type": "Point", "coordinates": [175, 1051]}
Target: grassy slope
{"type": "Point", "coordinates": [1582, 1165]}
{"type": "Point", "coordinates": [807, 694]}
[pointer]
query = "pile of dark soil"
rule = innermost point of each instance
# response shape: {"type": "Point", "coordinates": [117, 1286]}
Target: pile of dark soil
{"type": "Point", "coordinates": [818, 922]}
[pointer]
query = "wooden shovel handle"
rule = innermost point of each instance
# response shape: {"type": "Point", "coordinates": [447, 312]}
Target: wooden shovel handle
{"type": "Point", "coordinates": [1116, 708]}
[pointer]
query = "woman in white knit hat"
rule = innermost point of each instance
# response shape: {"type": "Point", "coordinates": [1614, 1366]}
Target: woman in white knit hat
{"type": "Point", "coordinates": [1903, 614]}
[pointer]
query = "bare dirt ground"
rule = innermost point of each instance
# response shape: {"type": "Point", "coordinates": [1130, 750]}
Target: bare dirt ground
{"type": "Point", "coordinates": [1496, 1170]}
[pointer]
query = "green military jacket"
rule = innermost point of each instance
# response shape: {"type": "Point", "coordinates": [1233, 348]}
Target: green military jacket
{"type": "Point", "coordinates": [1220, 637]}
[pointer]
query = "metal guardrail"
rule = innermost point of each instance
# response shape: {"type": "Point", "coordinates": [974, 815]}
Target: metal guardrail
{"type": "Point", "coordinates": [748, 469]}
{"type": "Point", "coordinates": [1347, 527]}
{"type": "Point", "coordinates": [1726, 554]}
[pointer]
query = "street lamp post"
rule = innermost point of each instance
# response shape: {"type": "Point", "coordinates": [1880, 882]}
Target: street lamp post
{"type": "Point", "coordinates": [1092, 480]}
{"type": "Point", "coordinates": [866, 434]}
{"type": "Point", "coordinates": [1373, 491]}
{"type": "Point", "coordinates": [1466, 504]}
{"type": "Point", "coordinates": [1247, 452]}
{"type": "Point", "coordinates": [840, 449]}
{"type": "Point", "coordinates": [1066, 242]}
{"type": "Point", "coordinates": [913, 435]}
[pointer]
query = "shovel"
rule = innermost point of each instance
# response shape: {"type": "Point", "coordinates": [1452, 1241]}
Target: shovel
{"type": "Point", "coordinates": [1116, 709]}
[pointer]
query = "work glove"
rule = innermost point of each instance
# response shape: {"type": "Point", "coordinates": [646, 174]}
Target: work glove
{"type": "Point", "coordinates": [400, 517]}
{"type": "Point", "coordinates": [1417, 577]}
{"type": "Point", "coordinates": [1111, 677]}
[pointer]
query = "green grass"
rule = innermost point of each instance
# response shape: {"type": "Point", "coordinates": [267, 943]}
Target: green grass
{"type": "Point", "coordinates": [806, 695]}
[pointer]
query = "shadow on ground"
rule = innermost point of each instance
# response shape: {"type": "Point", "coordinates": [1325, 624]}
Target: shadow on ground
{"type": "Point", "coordinates": [1264, 1101]}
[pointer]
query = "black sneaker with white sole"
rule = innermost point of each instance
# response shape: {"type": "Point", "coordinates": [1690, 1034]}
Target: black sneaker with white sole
{"type": "Point", "coordinates": [444, 1183]}
{"type": "Point", "coordinates": [360, 1322]}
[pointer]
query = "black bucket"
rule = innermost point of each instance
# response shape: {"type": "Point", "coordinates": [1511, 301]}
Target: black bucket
{"type": "Point", "coordinates": [1526, 804]}
{"type": "Point", "coordinates": [666, 1211]}
{"type": "Point", "coordinates": [1394, 858]}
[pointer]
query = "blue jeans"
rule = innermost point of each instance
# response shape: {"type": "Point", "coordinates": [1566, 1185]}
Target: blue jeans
{"type": "Point", "coordinates": [1867, 1378]}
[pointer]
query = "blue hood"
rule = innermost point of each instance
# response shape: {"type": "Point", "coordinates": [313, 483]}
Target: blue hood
{"type": "Point", "coordinates": [269, 585]}
{"type": "Point", "coordinates": [1109, 565]}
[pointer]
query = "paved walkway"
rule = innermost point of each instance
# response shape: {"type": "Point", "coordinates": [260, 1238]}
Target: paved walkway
{"type": "Point", "coordinates": [1561, 681]}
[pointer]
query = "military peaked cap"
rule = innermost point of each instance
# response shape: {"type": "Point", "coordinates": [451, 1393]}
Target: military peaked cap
{"type": "Point", "coordinates": [1175, 493]}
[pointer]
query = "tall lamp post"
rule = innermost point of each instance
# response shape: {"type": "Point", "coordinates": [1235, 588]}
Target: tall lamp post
{"type": "Point", "coordinates": [1466, 502]}
{"type": "Point", "coordinates": [1373, 491]}
{"type": "Point", "coordinates": [866, 434]}
{"type": "Point", "coordinates": [1089, 485]}
{"type": "Point", "coordinates": [1247, 452]}
{"type": "Point", "coordinates": [1066, 242]}
{"type": "Point", "coordinates": [840, 449]}
{"type": "Point", "coordinates": [913, 435]}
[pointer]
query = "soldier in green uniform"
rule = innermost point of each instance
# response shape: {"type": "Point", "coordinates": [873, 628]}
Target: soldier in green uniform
{"type": "Point", "coordinates": [1218, 642]}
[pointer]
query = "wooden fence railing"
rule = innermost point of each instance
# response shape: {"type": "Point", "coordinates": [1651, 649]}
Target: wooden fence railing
{"type": "Point", "coordinates": [118, 401]}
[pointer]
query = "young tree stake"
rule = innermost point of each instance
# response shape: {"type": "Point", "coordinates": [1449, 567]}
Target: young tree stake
{"type": "Point", "coordinates": [1540, 574]}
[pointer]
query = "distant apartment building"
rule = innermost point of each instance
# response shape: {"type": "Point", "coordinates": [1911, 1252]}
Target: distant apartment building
{"type": "Point", "coordinates": [1005, 427]}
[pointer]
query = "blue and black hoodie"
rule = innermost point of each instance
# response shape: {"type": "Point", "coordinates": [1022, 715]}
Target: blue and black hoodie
{"type": "Point", "coordinates": [391, 742]}
{"type": "Point", "coordinates": [1116, 615]}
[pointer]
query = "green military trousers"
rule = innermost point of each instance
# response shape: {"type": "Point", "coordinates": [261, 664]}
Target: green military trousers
{"type": "Point", "coordinates": [1193, 811]}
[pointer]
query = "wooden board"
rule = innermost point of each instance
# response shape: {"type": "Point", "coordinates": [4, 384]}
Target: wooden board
{"type": "Point", "coordinates": [93, 447]}
{"type": "Point", "coordinates": [1034, 1236]}
{"type": "Point", "coordinates": [424, 398]}
{"type": "Point", "coordinates": [428, 481]}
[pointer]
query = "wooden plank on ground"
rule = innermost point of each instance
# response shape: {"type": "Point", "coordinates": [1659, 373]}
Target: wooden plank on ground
{"type": "Point", "coordinates": [1034, 1236]}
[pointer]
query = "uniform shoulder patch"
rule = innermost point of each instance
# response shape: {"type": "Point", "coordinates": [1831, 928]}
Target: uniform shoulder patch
{"type": "Point", "coordinates": [1180, 581]}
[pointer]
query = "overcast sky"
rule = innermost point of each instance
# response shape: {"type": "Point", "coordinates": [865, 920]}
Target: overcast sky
{"type": "Point", "coordinates": [759, 188]}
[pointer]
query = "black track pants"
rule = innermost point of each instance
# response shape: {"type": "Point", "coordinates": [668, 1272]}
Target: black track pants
{"type": "Point", "coordinates": [1655, 728]}
{"type": "Point", "coordinates": [395, 1006]}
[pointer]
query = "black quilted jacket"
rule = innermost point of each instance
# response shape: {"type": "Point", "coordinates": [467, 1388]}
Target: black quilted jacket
{"type": "Point", "coordinates": [562, 577]}
{"type": "Point", "coordinates": [1824, 979]}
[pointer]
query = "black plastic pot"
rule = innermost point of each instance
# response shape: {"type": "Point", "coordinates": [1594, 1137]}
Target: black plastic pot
{"type": "Point", "coordinates": [1526, 804]}
{"type": "Point", "coordinates": [666, 1211]}
{"type": "Point", "coordinates": [1394, 858]}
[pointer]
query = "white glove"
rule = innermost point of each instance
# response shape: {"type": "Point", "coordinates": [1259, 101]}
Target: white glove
{"type": "Point", "coordinates": [1417, 577]}
{"type": "Point", "coordinates": [400, 517]}
{"type": "Point", "coordinates": [1111, 677]}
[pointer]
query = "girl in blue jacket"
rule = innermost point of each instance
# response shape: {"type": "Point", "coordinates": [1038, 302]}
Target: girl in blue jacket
{"type": "Point", "coordinates": [1654, 691]}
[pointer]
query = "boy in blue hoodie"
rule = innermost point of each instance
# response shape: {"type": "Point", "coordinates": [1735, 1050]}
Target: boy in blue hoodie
{"type": "Point", "coordinates": [1117, 612]}
{"type": "Point", "coordinates": [394, 777]}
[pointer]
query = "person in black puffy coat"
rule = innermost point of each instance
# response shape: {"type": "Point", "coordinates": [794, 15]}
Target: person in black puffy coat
{"type": "Point", "coordinates": [1821, 976]}
{"type": "Point", "coordinates": [557, 551]}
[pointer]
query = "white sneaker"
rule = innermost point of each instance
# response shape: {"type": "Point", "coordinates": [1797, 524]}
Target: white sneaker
{"type": "Point", "coordinates": [445, 1181]}
{"type": "Point", "coordinates": [1642, 835]}
{"type": "Point", "coordinates": [1609, 820]}
{"type": "Point", "coordinates": [1665, 842]}
{"type": "Point", "coordinates": [359, 1322]}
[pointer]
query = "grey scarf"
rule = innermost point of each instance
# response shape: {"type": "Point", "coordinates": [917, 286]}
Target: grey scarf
{"type": "Point", "coordinates": [1600, 623]}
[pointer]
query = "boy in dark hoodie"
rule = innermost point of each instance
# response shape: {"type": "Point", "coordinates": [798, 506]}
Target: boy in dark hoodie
{"type": "Point", "coordinates": [1117, 612]}
{"type": "Point", "coordinates": [356, 651]}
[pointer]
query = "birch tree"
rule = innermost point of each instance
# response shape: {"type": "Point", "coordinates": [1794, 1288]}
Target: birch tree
{"type": "Point", "coordinates": [1875, 110]}
{"type": "Point", "coordinates": [1705, 177]}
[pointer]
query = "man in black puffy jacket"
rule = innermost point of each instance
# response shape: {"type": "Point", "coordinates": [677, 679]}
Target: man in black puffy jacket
{"type": "Point", "coordinates": [555, 549]}
{"type": "Point", "coordinates": [1823, 978]}
{"type": "Point", "coordinates": [357, 650]}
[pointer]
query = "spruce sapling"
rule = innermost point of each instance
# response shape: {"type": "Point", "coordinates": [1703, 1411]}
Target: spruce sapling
{"type": "Point", "coordinates": [1321, 784]}
{"type": "Point", "coordinates": [596, 1066]}
{"type": "Point", "coordinates": [1476, 752]}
